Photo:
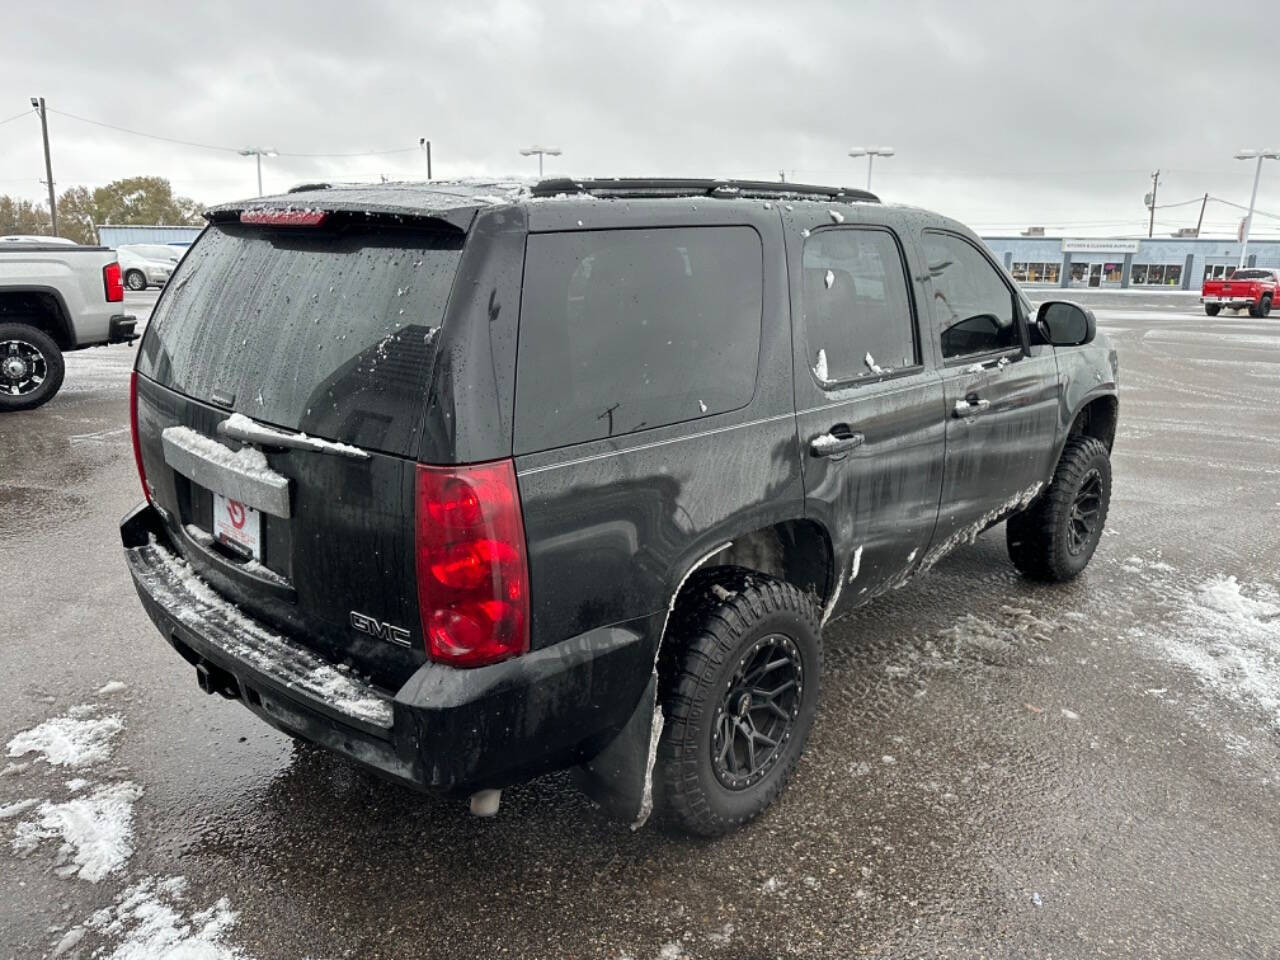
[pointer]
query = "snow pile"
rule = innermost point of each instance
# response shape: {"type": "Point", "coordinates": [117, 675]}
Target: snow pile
{"type": "Point", "coordinates": [150, 922]}
{"type": "Point", "coordinates": [96, 831]}
{"type": "Point", "coordinates": [69, 741]}
{"type": "Point", "coordinates": [1229, 636]}
{"type": "Point", "coordinates": [110, 687]}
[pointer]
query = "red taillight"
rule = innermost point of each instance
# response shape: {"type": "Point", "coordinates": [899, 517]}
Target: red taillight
{"type": "Point", "coordinates": [112, 283]}
{"type": "Point", "coordinates": [133, 429]}
{"type": "Point", "coordinates": [473, 573]}
{"type": "Point", "coordinates": [284, 218]}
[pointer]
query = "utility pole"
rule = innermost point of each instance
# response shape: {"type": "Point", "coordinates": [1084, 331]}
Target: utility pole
{"type": "Point", "coordinates": [1155, 185]}
{"type": "Point", "coordinates": [1199, 223]}
{"type": "Point", "coordinates": [425, 144]}
{"type": "Point", "coordinates": [38, 103]}
{"type": "Point", "coordinates": [782, 176]}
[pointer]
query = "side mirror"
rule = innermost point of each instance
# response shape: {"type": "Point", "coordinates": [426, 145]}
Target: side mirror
{"type": "Point", "coordinates": [1063, 323]}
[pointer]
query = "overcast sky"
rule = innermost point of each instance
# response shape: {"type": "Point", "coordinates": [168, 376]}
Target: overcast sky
{"type": "Point", "coordinates": [1002, 114]}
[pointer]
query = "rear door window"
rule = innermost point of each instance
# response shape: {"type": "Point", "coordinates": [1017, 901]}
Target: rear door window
{"type": "Point", "coordinates": [330, 332]}
{"type": "Point", "coordinates": [623, 330]}
{"type": "Point", "coordinates": [857, 312]}
{"type": "Point", "coordinates": [972, 305]}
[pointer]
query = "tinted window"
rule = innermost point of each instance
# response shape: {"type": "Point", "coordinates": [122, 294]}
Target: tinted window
{"type": "Point", "coordinates": [626, 329]}
{"type": "Point", "coordinates": [857, 314]}
{"type": "Point", "coordinates": [328, 332]}
{"type": "Point", "coordinates": [971, 303]}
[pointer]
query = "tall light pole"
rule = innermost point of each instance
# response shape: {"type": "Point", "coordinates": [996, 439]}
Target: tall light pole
{"type": "Point", "coordinates": [259, 152]}
{"type": "Point", "coordinates": [871, 153]}
{"type": "Point", "coordinates": [38, 104]}
{"type": "Point", "coordinates": [541, 152]}
{"type": "Point", "coordinates": [1253, 197]}
{"type": "Point", "coordinates": [425, 144]}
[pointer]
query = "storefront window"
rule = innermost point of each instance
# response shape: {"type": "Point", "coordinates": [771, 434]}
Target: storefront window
{"type": "Point", "coordinates": [1111, 272]}
{"type": "Point", "coordinates": [1139, 274]}
{"type": "Point", "coordinates": [1173, 275]}
{"type": "Point", "coordinates": [1155, 273]}
{"type": "Point", "coordinates": [1079, 272]}
{"type": "Point", "coordinates": [1036, 272]}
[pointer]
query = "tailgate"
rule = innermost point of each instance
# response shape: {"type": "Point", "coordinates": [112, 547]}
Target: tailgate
{"type": "Point", "coordinates": [280, 395]}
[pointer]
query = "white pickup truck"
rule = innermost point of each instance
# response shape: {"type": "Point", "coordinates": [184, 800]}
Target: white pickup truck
{"type": "Point", "coordinates": [54, 297]}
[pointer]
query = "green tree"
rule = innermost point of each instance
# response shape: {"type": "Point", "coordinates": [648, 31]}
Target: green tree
{"type": "Point", "coordinates": [142, 200]}
{"type": "Point", "coordinates": [76, 215]}
{"type": "Point", "coordinates": [23, 216]}
{"type": "Point", "coordinates": [133, 200]}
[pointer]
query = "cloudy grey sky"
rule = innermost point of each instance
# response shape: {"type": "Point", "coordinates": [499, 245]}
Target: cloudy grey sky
{"type": "Point", "coordinates": [1002, 114]}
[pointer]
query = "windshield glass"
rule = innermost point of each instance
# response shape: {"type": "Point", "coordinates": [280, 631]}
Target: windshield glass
{"type": "Point", "coordinates": [327, 332]}
{"type": "Point", "coordinates": [1252, 275]}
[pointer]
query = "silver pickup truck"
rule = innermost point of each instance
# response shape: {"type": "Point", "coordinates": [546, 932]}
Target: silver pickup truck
{"type": "Point", "coordinates": [54, 297]}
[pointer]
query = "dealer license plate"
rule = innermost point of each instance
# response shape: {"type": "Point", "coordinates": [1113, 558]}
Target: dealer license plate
{"type": "Point", "coordinates": [238, 526]}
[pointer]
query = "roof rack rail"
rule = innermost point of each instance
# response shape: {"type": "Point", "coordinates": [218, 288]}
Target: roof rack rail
{"type": "Point", "coordinates": [652, 187]}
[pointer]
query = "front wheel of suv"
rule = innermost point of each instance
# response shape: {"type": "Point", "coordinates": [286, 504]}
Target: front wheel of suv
{"type": "Point", "coordinates": [135, 280]}
{"type": "Point", "coordinates": [31, 367]}
{"type": "Point", "coordinates": [1054, 538]}
{"type": "Point", "coordinates": [740, 691]}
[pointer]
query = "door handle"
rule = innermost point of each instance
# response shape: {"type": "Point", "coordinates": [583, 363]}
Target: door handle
{"type": "Point", "coordinates": [970, 406]}
{"type": "Point", "coordinates": [838, 441]}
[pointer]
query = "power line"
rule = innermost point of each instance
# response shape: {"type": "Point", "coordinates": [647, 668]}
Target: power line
{"type": "Point", "coordinates": [16, 116]}
{"type": "Point", "coordinates": [219, 147]}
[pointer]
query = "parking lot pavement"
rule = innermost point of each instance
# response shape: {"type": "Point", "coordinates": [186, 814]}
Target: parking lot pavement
{"type": "Point", "coordinates": [998, 768]}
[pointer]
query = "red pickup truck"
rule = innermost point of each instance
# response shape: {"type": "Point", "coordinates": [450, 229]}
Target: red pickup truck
{"type": "Point", "coordinates": [1255, 289]}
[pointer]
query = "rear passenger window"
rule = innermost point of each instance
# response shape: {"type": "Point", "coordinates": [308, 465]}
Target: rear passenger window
{"type": "Point", "coordinates": [971, 303]}
{"type": "Point", "coordinates": [857, 314]}
{"type": "Point", "coordinates": [622, 330]}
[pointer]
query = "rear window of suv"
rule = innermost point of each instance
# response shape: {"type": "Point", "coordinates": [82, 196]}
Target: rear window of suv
{"type": "Point", "coordinates": [330, 332]}
{"type": "Point", "coordinates": [624, 330]}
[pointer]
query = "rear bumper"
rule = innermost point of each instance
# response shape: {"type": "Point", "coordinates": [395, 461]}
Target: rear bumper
{"type": "Point", "coordinates": [1231, 303]}
{"type": "Point", "coordinates": [445, 730]}
{"type": "Point", "coordinates": [120, 329]}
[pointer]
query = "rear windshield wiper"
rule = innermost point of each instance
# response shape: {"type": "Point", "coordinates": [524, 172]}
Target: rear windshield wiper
{"type": "Point", "coordinates": [239, 427]}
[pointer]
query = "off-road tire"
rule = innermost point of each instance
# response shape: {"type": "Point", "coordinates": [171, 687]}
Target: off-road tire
{"type": "Point", "coordinates": [135, 280]}
{"type": "Point", "coordinates": [54, 369]}
{"type": "Point", "coordinates": [1212, 309]}
{"type": "Point", "coordinates": [1263, 309]}
{"type": "Point", "coordinates": [1039, 538]}
{"type": "Point", "coordinates": [723, 615]}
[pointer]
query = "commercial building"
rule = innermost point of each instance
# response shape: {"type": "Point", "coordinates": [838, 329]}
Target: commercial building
{"type": "Point", "coordinates": [1179, 263]}
{"type": "Point", "coordinates": [114, 236]}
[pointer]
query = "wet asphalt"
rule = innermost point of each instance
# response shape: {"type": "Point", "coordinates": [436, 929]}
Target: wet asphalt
{"type": "Point", "coordinates": [998, 769]}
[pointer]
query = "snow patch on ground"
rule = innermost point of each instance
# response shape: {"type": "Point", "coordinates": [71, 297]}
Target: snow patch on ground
{"type": "Point", "coordinates": [110, 687]}
{"type": "Point", "coordinates": [151, 921]}
{"type": "Point", "coordinates": [1228, 635]}
{"type": "Point", "coordinates": [18, 807]}
{"type": "Point", "coordinates": [96, 831]}
{"type": "Point", "coordinates": [69, 741]}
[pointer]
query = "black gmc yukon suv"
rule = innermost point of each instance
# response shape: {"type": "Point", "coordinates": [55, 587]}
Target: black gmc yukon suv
{"type": "Point", "coordinates": [471, 483]}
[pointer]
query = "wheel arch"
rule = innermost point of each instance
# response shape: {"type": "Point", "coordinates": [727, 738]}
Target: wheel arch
{"type": "Point", "coordinates": [1096, 417]}
{"type": "Point", "coordinates": [41, 307]}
